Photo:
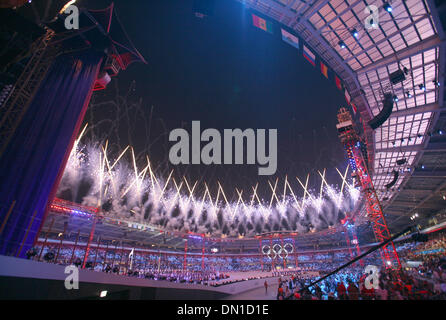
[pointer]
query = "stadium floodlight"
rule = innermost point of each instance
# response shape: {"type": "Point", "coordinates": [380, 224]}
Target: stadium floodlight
{"type": "Point", "coordinates": [355, 33]}
{"type": "Point", "coordinates": [103, 294]}
{"type": "Point", "coordinates": [342, 44]}
{"type": "Point", "coordinates": [387, 7]}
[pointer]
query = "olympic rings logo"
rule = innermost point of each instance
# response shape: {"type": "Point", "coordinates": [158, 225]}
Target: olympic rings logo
{"type": "Point", "coordinates": [277, 250]}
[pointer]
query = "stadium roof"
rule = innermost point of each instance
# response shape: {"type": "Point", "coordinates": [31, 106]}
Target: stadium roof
{"type": "Point", "coordinates": [410, 36]}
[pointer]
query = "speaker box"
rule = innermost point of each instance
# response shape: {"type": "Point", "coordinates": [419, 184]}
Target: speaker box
{"type": "Point", "coordinates": [395, 179]}
{"type": "Point", "coordinates": [397, 76]}
{"type": "Point", "coordinates": [385, 113]}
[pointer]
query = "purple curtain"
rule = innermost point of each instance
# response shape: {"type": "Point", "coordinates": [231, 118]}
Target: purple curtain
{"type": "Point", "coordinates": [30, 165]}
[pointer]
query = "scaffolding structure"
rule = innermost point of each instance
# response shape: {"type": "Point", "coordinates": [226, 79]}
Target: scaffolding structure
{"type": "Point", "coordinates": [352, 144]}
{"type": "Point", "coordinates": [21, 95]}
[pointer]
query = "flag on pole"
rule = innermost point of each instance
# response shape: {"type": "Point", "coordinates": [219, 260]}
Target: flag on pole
{"type": "Point", "coordinates": [290, 39]}
{"type": "Point", "coordinates": [309, 56]}
{"type": "Point", "coordinates": [338, 82]}
{"type": "Point", "coordinates": [262, 23]}
{"type": "Point", "coordinates": [324, 70]}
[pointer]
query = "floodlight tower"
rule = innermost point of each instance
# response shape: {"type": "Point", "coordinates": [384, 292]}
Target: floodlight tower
{"type": "Point", "coordinates": [352, 144]}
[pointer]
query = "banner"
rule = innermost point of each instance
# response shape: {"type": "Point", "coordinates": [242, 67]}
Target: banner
{"type": "Point", "coordinates": [338, 83]}
{"type": "Point", "coordinates": [290, 39]}
{"type": "Point", "coordinates": [324, 70]}
{"type": "Point", "coordinates": [347, 96]}
{"type": "Point", "coordinates": [309, 56]}
{"type": "Point", "coordinates": [262, 23]}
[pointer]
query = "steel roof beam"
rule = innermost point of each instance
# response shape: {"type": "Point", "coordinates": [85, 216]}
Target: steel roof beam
{"type": "Point", "coordinates": [413, 205]}
{"type": "Point", "coordinates": [431, 107]}
{"type": "Point", "coordinates": [399, 31]}
{"type": "Point", "coordinates": [438, 189]}
{"type": "Point", "coordinates": [412, 148]}
{"type": "Point", "coordinates": [429, 174]}
{"type": "Point", "coordinates": [431, 147]}
{"type": "Point", "coordinates": [416, 191]}
{"type": "Point", "coordinates": [337, 15]}
{"type": "Point", "coordinates": [315, 8]}
{"type": "Point", "coordinates": [287, 7]}
{"type": "Point", "coordinates": [426, 44]}
{"type": "Point", "coordinates": [339, 61]}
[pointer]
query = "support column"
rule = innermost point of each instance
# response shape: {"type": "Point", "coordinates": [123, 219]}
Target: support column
{"type": "Point", "coordinates": [75, 246]}
{"type": "Point", "coordinates": [120, 258]}
{"type": "Point", "coordinates": [295, 253]}
{"type": "Point", "coordinates": [284, 257]}
{"type": "Point", "coordinates": [87, 249]}
{"type": "Point", "coordinates": [97, 252]}
{"type": "Point", "coordinates": [105, 257]}
{"type": "Point", "coordinates": [46, 238]}
{"type": "Point", "coordinates": [65, 225]}
{"type": "Point", "coordinates": [185, 255]}
{"type": "Point", "coordinates": [202, 255]}
{"type": "Point", "coordinates": [272, 259]}
{"type": "Point", "coordinates": [261, 253]}
{"type": "Point", "coordinates": [114, 255]}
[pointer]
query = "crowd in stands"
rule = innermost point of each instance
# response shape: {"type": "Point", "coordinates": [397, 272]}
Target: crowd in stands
{"type": "Point", "coordinates": [426, 281]}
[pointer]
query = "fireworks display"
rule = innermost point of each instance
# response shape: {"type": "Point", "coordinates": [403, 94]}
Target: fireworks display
{"type": "Point", "coordinates": [121, 189]}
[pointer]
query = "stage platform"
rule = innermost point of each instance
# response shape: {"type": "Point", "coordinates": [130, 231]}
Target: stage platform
{"type": "Point", "coordinates": [27, 279]}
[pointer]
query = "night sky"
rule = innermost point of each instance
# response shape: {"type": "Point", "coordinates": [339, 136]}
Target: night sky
{"type": "Point", "coordinates": [226, 73]}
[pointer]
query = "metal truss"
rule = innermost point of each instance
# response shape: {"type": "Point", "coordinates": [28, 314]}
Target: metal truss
{"type": "Point", "coordinates": [15, 107]}
{"type": "Point", "coordinates": [351, 141]}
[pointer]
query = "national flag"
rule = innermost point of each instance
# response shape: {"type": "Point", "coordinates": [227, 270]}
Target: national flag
{"type": "Point", "coordinates": [324, 70]}
{"type": "Point", "coordinates": [262, 23]}
{"type": "Point", "coordinates": [347, 96]}
{"type": "Point", "coordinates": [338, 83]}
{"type": "Point", "coordinates": [309, 56]}
{"type": "Point", "coordinates": [290, 39]}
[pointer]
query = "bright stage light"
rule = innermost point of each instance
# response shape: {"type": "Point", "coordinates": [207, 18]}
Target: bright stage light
{"type": "Point", "coordinates": [387, 7]}
{"type": "Point", "coordinates": [103, 294]}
